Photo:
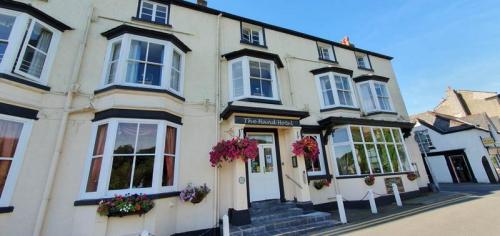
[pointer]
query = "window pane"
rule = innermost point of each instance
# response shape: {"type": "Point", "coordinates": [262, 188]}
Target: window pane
{"type": "Point", "coordinates": [326, 88]}
{"type": "Point", "coordinates": [115, 55]}
{"type": "Point", "coordinates": [153, 74]}
{"type": "Point", "coordinates": [10, 132]}
{"type": "Point", "coordinates": [40, 38]}
{"type": "Point", "coordinates": [125, 138]}
{"type": "Point", "coordinates": [100, 139]}
{"type": "Point", "coordinates": [138, 50]}
{"type": "Point", "coordinates": [367, 134]}
{"type": "Point", "coordinates": [147, 11]}
{"type": "Point", "coordinates": [265, 70]}
{"type": "Point", "coordinates": [255, 164]}
{"type": "Point", "coordinates": [361, 158]}
{"type": "Point", "coordinates": [95, 170]}
{"type": "Point", "coordinates": [345, 160]}
{"type": "Point", "coordinates": [245, 34]}
{"type": "Point", "coordinates": [6, 23]}
{"type": "Point", "coordinates": [237, 71]}
{"type": "Point", "coordinates": [143, 172]}
{"type": "Point", "coordinates": [175, 80]}
{"type": "Point", "coordinates": [254, 69]}
{"type": "Point", "coordinates": [146, 142]}
{"type": "Point", "coordinates": [176, 60]}
{"type": "Point", "coordinates": [384, 158]}
{"type": "Point", "coordinates": [262, 139]}
{"type": "Point", "coordinates": [121, 172]}
{"type": "Point", "coordinates": [267, 88]}
{"type": "Point", "coordinates": [340, 135]}
{"type": "Point", "coordinates": [3, 47]}
{"type": "Point", "coordinates": [356, 134]}
{"type": "Point", "coordinates": [155, 53]}
{"type": "Point", "coordinates": [328, 98]}
{"type": "Point", "coordinates": [255, 87]}
{"type": "Point", "coordinates": [404, 158]}
{"type": "Point", "coordinates": [394, 157]}
{"type": "Point", "coordinates": [378, 134]}
{"type": "Point", "coordinates": [387, 135]}
{"type": "Point", "coordinates": [255, 37]}
{"type": "Point", "coordinates": [367, 97]}
{"type": "Point", "coordinates": [372, 156]}
{"type": "Point", "coordinates": [268, 160]}
{"type": "Point", "coordinates": [397, 135]}
{"type": "Point", "coordinates": [33, 62]}
{"type": "Point", "coordinates": [135, 72]}
{"type": "Point", "coordinates": [4, 172]}
{"type": "Point", "coordinates": [168, 171]}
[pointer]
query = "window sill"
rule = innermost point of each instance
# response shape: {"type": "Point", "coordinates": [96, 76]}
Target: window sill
{"type": "Point", "coordinates": [260, 100]}
{"type": "Point", "coordinates": [340, 108]}
{"type": "Point", "coordinates": [91, 202]}
{"type": "Point", "coordinates": [253, 44]}
{"type": "Point", "coordinates": [376, 175]}
{"type": "Point", "coordinates": [372, 113]}
{"type": "Point", "coordinates": [124, 87]}
{"type": "Point", "coordinates": [24, 81]}
{"type": "Point", "coordinates": [318, 177]}
{"type": "Point", "coordinates": [328, 60]}
{"type": "Point", "coordinates": [151, 22]}
{"type": "Point", "coordinates": [367, 69]}
{"type": "Point", "coordinates": [6, 209]}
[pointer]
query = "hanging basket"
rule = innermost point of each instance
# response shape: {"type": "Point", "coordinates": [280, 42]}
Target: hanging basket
{"type": "Point", "coordinates": [370, 180]}
{"type": "Point", "coordinates": [194, 194]}
{"type": "Point", "coordinates": [321, 183]}
{"type": "Point", "coordinates": [411, 176]}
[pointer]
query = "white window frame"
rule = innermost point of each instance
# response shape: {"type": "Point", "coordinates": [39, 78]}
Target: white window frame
{"type": "Point", "coordinates": [155, 7]}
{"type": "Point", "coordinates": [18, 158]}
{"type": "Point", "coordinates": [251, 29]}
{"type": "Point", "coordinates": [331, 77]}
{"type": "Point", "coordinates": [121, 70]}
{"type": "Point", "coordinates": [366, 61]}
{"type": "Point", "coordinates": [245, 60]}
{"type": "Point", "coordinates": [107, 159]}
{"type": "Point", "coordinates": [322, 170]}
{"type": "Point", "coordinates": [17, 43]}
{"type": "Point", "coordinates": [329, 48]}
{"type": "Point", "coordinates": [375, 142]}
{"type": "Point", "coordinates": [371, 84]}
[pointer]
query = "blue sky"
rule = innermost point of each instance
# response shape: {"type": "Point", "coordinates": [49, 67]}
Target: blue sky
{"type": "Point", "coordinates": [435, 44]}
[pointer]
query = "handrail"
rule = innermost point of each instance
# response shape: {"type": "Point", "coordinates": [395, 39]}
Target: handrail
{"type": "Point", "coordinates": [293, 181]}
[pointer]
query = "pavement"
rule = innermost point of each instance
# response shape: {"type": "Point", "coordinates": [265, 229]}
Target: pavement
{"type": "Point", "coordinates": [459, 209]}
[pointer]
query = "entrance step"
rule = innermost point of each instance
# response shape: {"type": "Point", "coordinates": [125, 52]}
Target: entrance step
{"type": "Point", "coordinates": [273, 217]}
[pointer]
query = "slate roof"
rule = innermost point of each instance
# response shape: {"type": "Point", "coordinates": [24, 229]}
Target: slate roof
{"type": "Point", "coordinates": [445, 124]}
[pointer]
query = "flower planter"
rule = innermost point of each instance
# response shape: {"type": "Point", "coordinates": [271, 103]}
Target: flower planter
{"type": "Point", "coordinates": [320, 184]}
{"type": "Point", "coordinates": [194, 194]}
{"type": "Point", "coordinates": [120, 206]}
{"type": "Point", "coordinates": [307, 147]}
{"type": "Point", "coordinates": [411, 176]}
{"type": "Point", "coordinates": [122, 214]}
{"type": "Point", "coordinates": [370, 180]}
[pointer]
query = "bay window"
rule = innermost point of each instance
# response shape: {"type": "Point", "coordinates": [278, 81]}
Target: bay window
{"type": "Point", "coordinates": [27, 46]}
{"type": "Point", "coordinates": [364, 150]}
{"type": "Point", "coordinates": [316, 167]}
{"type": "Point", "coordinates": [335, 90]}
{"type": "Point", "coordinates": [132, 156]}
{"type": "Point", "coordinates": [375, 96]}
{"type": "Point", "coordinates": [138, 61]}
{"type": "Point", "coordinates": [253, 78]}
{"type": "Point", "coordinates": [14, 135]}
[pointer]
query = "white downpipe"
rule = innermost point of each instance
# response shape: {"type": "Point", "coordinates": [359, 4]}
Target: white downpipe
{"type": "Point", "coordinates": [396, 195]}
{"type": "Point", "coordinates": [340, 205]}
{"type": "Point", "coordinates": [217, 123]}
{"type": "Point", "coordinates": [42, 211]}
{"type": "Point", "coordinates": [225, 224]}
{"type": "Point", "coordinates": [373, 204]}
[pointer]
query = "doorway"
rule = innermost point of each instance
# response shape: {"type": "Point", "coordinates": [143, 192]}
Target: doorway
{"type": "Point", "coordinates": [263, 175]}
{"type": "Point", "coordinates": [460, 169]}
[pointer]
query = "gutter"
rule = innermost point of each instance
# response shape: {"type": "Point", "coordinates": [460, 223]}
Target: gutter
{"type": "Point", "coordinates": [73, 88]}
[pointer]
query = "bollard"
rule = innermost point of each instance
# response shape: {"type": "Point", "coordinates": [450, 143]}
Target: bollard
{"type": "Point", "coordinates": [396, 195]}
{"type": "Point", "coordinates": [225, 225]}
{"type": "Point", "coordinates": [371, 198]}
{"type": "Point", "coordinates": [340, 204]}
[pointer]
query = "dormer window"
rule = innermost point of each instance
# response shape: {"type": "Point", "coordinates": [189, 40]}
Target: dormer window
{"type": "Point", "coordinates": [251, 34]}
{"type": "Point", "coordinates": [326, 52]}
{"type": "Point", "coordinates": [154, 12]}
{"type": "Point", "coordinates": [363, 61]}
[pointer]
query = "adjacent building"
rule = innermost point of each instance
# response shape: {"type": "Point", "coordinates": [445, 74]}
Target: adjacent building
{"type": "Point", "coordinates": [107, 97]}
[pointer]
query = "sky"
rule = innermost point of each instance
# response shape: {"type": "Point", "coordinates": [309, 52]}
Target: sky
{"type": "Point", "coordinates": [435, 43]}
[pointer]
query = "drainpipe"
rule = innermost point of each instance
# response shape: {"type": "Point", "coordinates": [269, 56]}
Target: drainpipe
{"type": "Point", "coordinates": [217, 123]}
{"type": "Point", "coordinates": [42, 211]}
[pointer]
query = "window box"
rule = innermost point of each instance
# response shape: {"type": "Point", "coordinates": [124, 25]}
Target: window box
{"type": "Point", "coordinates": [335, 91]}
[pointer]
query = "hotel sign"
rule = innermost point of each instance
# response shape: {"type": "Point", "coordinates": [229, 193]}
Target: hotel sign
{"type": "Point", "coordinates": [265, 121]}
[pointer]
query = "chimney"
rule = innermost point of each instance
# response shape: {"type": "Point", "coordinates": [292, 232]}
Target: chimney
{"type": "Point", "coordinates": [202, 2]}
{"type": "Point", "coordinates": [345, 41]}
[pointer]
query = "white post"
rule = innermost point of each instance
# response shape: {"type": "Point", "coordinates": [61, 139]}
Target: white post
{"type": "Point", "coordinates": [371, 198]}
{"type": "Point", "coordinates": [340, 204]}
{"type": "Point", "coordinates": [225, 225]}
{"type": "Point", "coordinates": [395, 190]}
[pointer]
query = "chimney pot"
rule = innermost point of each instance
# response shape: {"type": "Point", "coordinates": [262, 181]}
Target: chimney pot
{"type": "Point", "coordinates": [202, 2]}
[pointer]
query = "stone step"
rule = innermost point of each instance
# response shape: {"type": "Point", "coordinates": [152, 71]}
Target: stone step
{"type": "Point", "coordinates": [306, 229]}
{"type": "Point", "coordinates": [278, 215]}
{"type": "Point", "coordinates": [283, 225]}
{"type": "Point", "coordinates": [255, 211]}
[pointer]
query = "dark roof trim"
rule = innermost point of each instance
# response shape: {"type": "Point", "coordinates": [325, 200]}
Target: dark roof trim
{"type": "Point", "coordinates": [24, 81]}
{"type": "Point", "coordinates": [462, 102]}
{"type": "Point", "coordinates": [255, 53]}
{"type": "Point", "coordinates": [332, 69]}
{"type": "Point", "coordinates": [12, 110]}
{"type": "Point", "coordinates": [212, 11]}
{"type": "Point", "coordinates": [230, 109]}
{"type": "Point", "coordinates": [467, 127]}
{"type": "Point", "coordinates": [124, 87]}
{"type": "Point", "coordinates": [363, 78]}
{"type": "Point", "coordinates": [137, 114]}
{"type": "Point", "coordinates": [127, 29]}
{"type": "Point", "coordinates": [331, 121]}
{"type": "Point", "coordinates": [28, 9]}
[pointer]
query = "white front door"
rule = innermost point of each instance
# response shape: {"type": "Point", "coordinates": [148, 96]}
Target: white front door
{"type": "Point", "coordinates": [263, 171]}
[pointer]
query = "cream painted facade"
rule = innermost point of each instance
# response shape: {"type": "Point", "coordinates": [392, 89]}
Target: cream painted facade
{"type": "Point", "coordinates": [48, 186]}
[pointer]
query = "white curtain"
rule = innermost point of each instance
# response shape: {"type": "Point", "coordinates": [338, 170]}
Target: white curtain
{"type": "Point", "coordinates": [35, 66]}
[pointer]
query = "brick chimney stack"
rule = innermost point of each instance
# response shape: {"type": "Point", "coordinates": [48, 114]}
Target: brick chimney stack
{"type": "Point", "coordinates": [202, 2]}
